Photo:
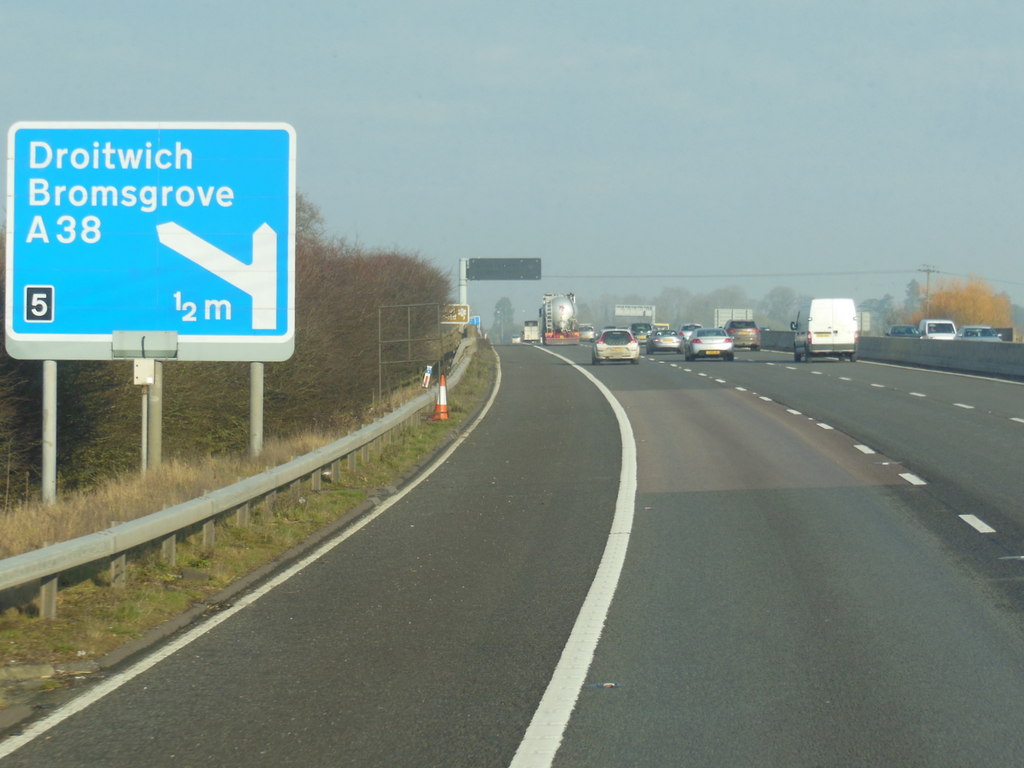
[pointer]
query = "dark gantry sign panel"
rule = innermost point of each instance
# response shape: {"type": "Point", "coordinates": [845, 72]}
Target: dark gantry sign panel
{"type": "Point", "coordinates": [503, 269]}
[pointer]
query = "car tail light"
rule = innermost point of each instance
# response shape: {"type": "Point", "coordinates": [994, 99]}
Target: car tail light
{"type": "Point", "coordinates": [696, 341]}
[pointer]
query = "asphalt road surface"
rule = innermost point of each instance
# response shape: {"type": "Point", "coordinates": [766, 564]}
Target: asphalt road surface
{"type": "Point", "coordinates": [823, 570]}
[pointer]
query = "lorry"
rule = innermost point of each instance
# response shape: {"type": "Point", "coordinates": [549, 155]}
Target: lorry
{"type": "Point", "coordinates": [725, 314]}
{"type": "Point", "coordinates": [825, 328]}
{"type": "Point", "coordinates": [531, 332]}
{"type": "Point", "coordinates": [558, 323]}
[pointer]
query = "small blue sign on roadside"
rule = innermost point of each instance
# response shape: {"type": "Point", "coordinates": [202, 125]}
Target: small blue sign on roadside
{"type": "Point", "coordinates": [118, 230]}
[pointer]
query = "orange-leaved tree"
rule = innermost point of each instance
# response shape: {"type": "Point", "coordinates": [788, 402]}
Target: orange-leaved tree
{"type": "Point", "coordinates": [968, 302]}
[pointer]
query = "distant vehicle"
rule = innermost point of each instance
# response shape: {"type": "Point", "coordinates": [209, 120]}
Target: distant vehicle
{"type": "Point", "coordinates": [944, 330]}
{"type": "Point", "coordinates": [587, 333]}
{"type": "Point", "coordinates": [709, 342]}
{"type": "Point", "coordinates": [687, 330]}
{"type": "Point", "coordinates": [664, 341]}
{"type": "Point", "coordinates": [903, 331]}
{"type": "Point", "coordinates": [661, 326]}
{"type": "Point", "coordinates": [641, 330]}
{"type": "Point", "coordinates": [531, 332]}
{"type": "Point", "coordinates": [826, 328]}
{"type": "Point", "coordinates": [745, 333]}
{"type": "Point", "coordinates": [558, 319]}
{"type": "Point", "coordinates": [978, 333]}
{"type": "Point", "coordinates": [616, 344]}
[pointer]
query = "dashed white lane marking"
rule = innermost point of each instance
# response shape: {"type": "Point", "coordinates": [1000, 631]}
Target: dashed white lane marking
{"type": "Point", "coordinates": [823, 425]}
{"type": "Point", "coordinates": [766, 399]}
{"type": "Point", "coordinates": [979, 525]}
{"type": "Point", "coordinates": [845, 378]}
{"type": "Point", "coordinates": [878, 386]}
{"type": "Point", "coordinates": [964, 405]}
{"type": "Point", "coordinates": [864, 449]}
{"type": "Point", "coordinates": [720, 381]}
{"type": "Point", "coordinates": [816, 373]}
{"type": "Point", "coordinates": [1017, 419]}
{"type": "Point", "coordinates": [912, 478]}
{"type": "Point", "coordinates": [741, 389]}
{"type": "Point", "coordinates": [794, 411]}
{"type": "Point", "coordinates": [918, 394]}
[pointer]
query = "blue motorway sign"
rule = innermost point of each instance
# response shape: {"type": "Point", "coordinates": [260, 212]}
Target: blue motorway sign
{"type": "Point", "coordinates": [182, 232]}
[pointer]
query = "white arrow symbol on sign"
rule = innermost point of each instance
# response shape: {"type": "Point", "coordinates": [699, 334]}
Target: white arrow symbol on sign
{"type": "Point", "coordinates": [258, 279]}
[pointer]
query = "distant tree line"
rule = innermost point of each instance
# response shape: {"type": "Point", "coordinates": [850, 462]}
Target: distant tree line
{"type": "Point", "coordinates": [328, 385]}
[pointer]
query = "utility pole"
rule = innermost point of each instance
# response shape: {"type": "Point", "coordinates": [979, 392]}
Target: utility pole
{"type": "Point", "coordinates": [928, 269]}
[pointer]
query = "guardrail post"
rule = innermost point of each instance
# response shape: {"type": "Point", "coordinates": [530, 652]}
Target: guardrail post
{"type": "Point", "coordinates": [48, 598]}
{"type": "Point", "coordinates": [352, 461]}
{"type": "Point", "coordinates": [316, 479]}
{"type": "Point", "coordinates": [169, 549]}
{"type": "Point", "coordinates": [209, 534]}
{"type": "Point", "coordinates": [242, 517]}
{"type": "Point", "coordinates": [119, 570]}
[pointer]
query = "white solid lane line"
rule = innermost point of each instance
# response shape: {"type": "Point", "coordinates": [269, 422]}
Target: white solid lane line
{"type": "Point", "coordinates": [544, 735]}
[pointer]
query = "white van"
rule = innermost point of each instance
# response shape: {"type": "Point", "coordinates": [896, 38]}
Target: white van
{"type": "Point", "coordinates": [826, 328]}
{"type": "Point", "coordinates": [937, 329]}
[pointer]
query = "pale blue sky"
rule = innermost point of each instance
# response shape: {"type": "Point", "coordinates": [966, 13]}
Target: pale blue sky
{"type": "Point", "coordinates": [712, 137]}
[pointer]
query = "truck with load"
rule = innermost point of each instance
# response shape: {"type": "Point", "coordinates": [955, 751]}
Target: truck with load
{"type": "Point", "coordinates": [531, 332]}
{"type": "Point", "coordinates": [558, 323]}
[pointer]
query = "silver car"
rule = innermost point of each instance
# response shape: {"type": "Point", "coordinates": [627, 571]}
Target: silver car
{"type": "Point", "coordinates": [664, 341]}
{"type": "Point", "coordinates": [687, 330]}
{"type": "Point", "coordinates": [709, 342]}
{"type": "Point", "coordinates": [978, 333]}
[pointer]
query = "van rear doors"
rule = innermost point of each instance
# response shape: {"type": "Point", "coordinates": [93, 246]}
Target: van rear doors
{"type": "Point", "coordinates": [826, 327]}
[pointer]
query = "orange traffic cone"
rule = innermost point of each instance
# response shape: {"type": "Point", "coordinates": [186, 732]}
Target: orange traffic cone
{"type": "Point", "coordinates": [441, 409]}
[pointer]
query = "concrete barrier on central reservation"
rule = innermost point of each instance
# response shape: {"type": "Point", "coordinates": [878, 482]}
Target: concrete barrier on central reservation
{"type": "Point", "coordinates": [1004, 359]}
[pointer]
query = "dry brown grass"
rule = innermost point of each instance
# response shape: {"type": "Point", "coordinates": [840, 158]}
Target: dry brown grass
{"type": "Point", "coordinates": [130, 496]}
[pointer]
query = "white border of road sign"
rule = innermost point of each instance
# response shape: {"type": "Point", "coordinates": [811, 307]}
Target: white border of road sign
{"type": "Point", "coordinates": [267, 342]}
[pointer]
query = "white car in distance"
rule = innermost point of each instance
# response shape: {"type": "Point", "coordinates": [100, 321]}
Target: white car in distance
{"type": "Point", "coordinates": [616, 344]}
